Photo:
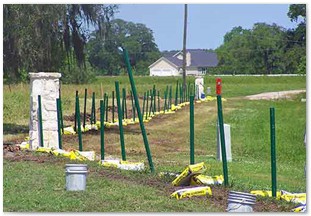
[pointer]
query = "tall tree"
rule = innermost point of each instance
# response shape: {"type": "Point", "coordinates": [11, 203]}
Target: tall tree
{"type": "Point", "coordinates": [135, 37]}
{"type": "Point", "coordinates": [296, 45]}
{"type": "Point", "coordinates": [44, 37]}
{"type": "Point", "coordinates": [257, 50]}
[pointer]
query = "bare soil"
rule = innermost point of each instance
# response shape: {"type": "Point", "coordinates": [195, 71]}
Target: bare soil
{"type": "Point", "coordinates": [13, 153]}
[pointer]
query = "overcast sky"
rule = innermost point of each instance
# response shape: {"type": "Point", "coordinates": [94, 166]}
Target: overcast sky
{"type": "Point", "coordinates": [207, 23]}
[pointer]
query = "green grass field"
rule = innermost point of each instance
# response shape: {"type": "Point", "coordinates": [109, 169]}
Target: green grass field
{"type": "Point", "coordinates": [31, 186]}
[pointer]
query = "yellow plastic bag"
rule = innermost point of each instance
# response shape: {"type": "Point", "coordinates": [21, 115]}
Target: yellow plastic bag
{"type": "Point", "coordinates": [169, 112]}
{"type": "Point", "coordinates": [265, 193]}
{"type": "Point", "coordinates": [207, 180]}
{"type": "Point", "coordinates": [75, 155]}
{"type": "Point", "coordinates": [210, 98]}
{"type": "Point", "coordinates": [97, 125]}
{"type": "Point", "coordinates": [174, 108]}
{"type": "Point", "coordinates": [59, 152]}
{"type": "Point", "coordinates": [110, 163]}
{"type": "Point", "coordinates": [189, 171]}
{"type": "Point", "coordinates": [190, 192]}
{"type": "Point", "coordinates": [300, 208]}
{"type": "Point", "coordinates": [124, 165]}
{"type": "Point", "coordinates": [294, 197]}
{"type": "Point", "coordinates": [135, 166]}
{"type": "Point", "coordinates": [87, 128]}
{"type": "Point", "coordinates": [89, 155]}
{"type": "Point", "coordinates": [69, 130]}
{"type": "Point", "coordinates": [24, 145]}
{"type": "Point", "coordinates": [44, 150]}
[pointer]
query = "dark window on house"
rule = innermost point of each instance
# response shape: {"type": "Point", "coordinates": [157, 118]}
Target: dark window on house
{"type": "Point", "coordinates": [203, 70]}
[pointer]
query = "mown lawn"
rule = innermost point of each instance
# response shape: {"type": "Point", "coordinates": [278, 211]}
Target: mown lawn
{"type": "Point", "coordinates": [31, 186]}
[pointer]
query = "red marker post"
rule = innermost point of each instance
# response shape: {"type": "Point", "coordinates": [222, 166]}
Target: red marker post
{"type": "Point", "coordinates": [218, 86]}
{"type": "Point", "coordinates": [221, 130]}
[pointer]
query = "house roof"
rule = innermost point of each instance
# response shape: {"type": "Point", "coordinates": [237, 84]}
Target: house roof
{"type": "Point", "coordinates": [168, 53]}
{"type": "Point", "coordinates": [164, 59]}
{"type": "Point", "coordinates": [199, 58]}
{"type": "Point", "coordinates": [175, 61]}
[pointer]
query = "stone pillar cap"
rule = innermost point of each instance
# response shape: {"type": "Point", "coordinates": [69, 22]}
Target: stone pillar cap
{"type": "Point", "coordinates": [41, 75]}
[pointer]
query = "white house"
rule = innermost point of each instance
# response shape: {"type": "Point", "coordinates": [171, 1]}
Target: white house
{"type": "Point", "coordinates": [197, 63]}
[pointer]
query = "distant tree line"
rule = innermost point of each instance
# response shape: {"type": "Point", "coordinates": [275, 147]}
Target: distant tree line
{"type": "Point", "coordinates": [265, 49]}
{"type": "Point", "coordinates": [46, 37]}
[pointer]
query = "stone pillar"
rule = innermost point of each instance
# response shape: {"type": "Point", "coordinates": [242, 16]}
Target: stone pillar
{"type": "Point", "coordinates": [46, 85]}
{"type": "Point", "coordinates": [227, 143]}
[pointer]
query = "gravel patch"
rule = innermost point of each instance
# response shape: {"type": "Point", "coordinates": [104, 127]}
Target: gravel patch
{"type": "Point", "coordinates": [275, 95]}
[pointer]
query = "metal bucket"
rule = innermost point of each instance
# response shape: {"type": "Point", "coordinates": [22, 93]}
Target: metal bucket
{"type": "Point", "coordinates": [76, 177]}
{"type": "Point", "coordinates": [240, 202]}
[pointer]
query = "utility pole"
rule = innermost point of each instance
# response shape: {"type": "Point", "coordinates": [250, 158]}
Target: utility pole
{"type": "Point", "coordinates": [184, 48]}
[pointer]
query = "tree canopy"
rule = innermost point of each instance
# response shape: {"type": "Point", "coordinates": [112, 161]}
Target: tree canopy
{"type": "Point", "coordinates": [43, 37]}
{"type": "Point", "coordinates": [46, 37]}
{"type": "Point", "coordinates": [265, 49]}
{"type": "Point", "coordinates": [135, 37]}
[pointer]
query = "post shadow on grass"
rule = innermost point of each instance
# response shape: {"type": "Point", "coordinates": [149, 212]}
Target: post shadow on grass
{"type": "Point", "coordinates": [12, 128]}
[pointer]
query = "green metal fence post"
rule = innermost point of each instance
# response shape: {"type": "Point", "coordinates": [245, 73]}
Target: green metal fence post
{"type": "Point", "coordinates": [60, 146]}
{"type": "Point", "coordinates": [154, 99]}
{"type": "Point", "coordinates": [84, 110]}
{"type": "Point", "coordinates": [144, 102]}
{"type": "Point", "coordinates": [133, 106]}
{"type": "Point", "coordinates": [176, 94]}
{"type": "Point", "coordinates": [222, 139]}
{"type": "Point", "coordinates": [191, 129]}
{"type": "Point", "coordinates": [120, 121]}
{"type": "Point", "coordinates": [94, 108]}
{"type": "Point", "coordinates": [141, 122]}
{"type": "Point", "coordinates": [170, 98]}
{"type": "Point", "coordinates": [92, 111]}
{"type": "Point", "coordinates": [75, 127]}
{"type": "Point", "coordinates": [165, 101]}
{"type": "Point", "coordinates": [147, 105]}
{"type": "Point", "coordinates": [79, 123]}
{"type": "Point", "coordinates": [151, 103]}
{"type": "Point", "coordinates": [123, 103]}
{"type": "Point", "coordinates": [41, 144]}
{"type": "Point", "coordinates": [61, 112]}
{"type": "Point", "coordinates": [159, 101]}
{"type": "Point", "coordinates": [106, 106]}
{"type": "Point", "coordinates": [112, 106]}
{"type": "Point", "coordinates": [125, 106]}
{"type": "Point", "coordinates": [188, 91]}
{"type": "Point", "coordinates": [102, 130]}
{"type": "Point", "coordinates": [273, 155]}
{"type": "Point", "coordinates": [180, 93]}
